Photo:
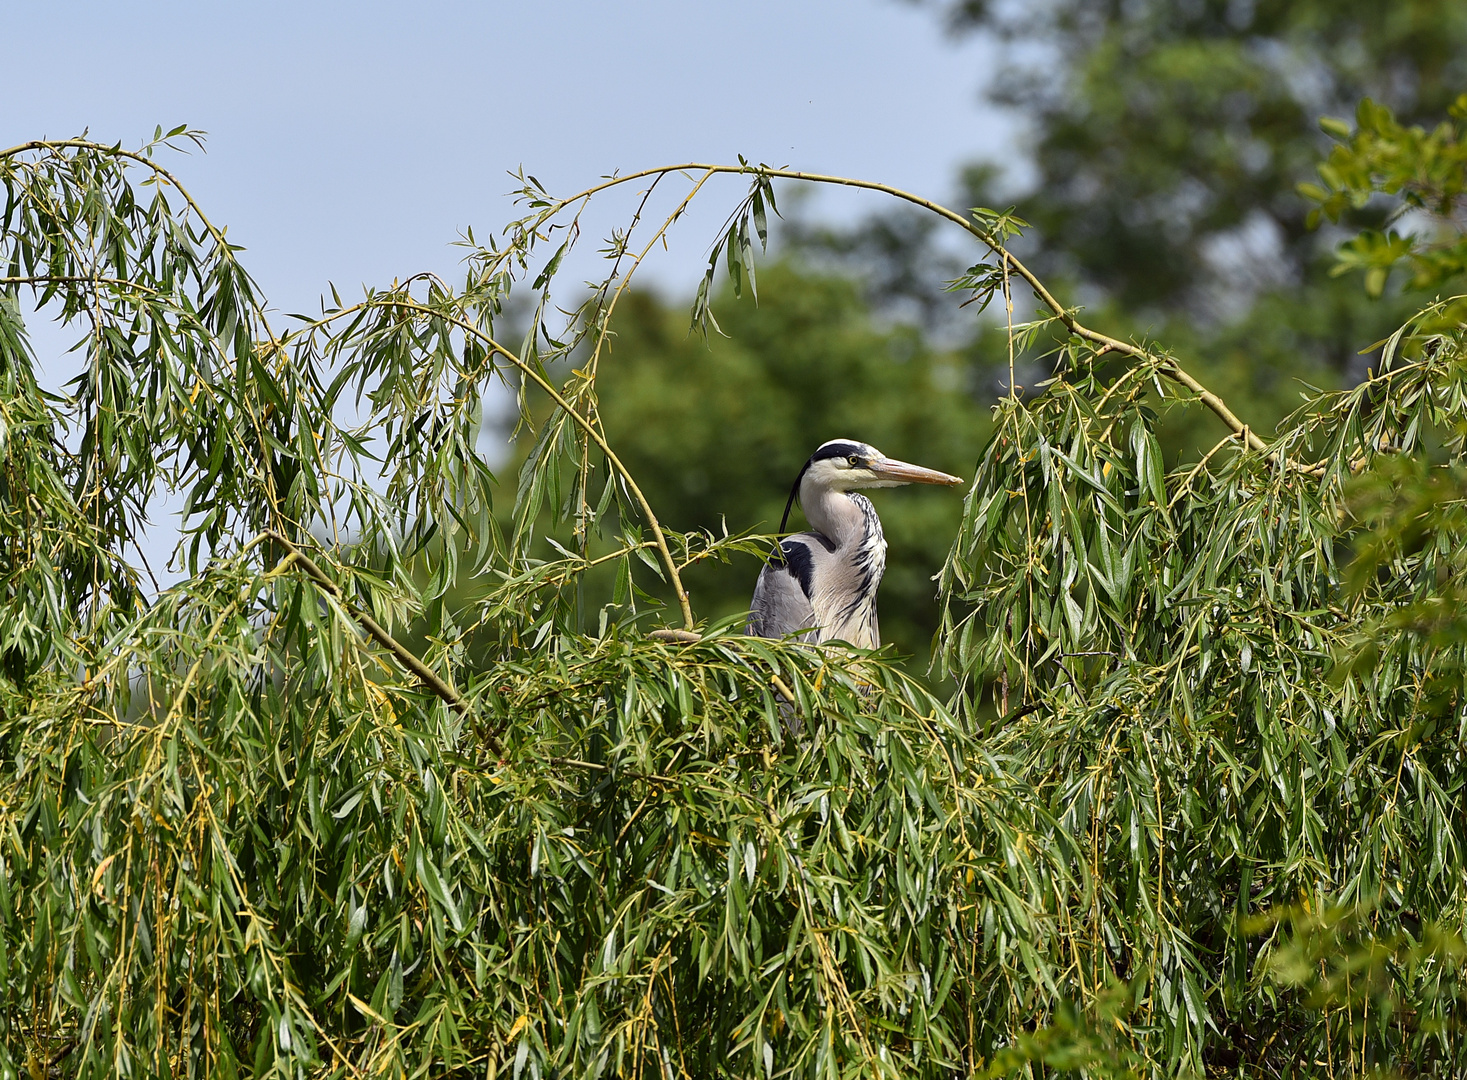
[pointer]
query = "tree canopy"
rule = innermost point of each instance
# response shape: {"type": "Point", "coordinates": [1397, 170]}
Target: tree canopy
{"type": "Point", "coordinates": [1194, 804]}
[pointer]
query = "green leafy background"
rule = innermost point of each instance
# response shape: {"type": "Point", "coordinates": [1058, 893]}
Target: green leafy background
{"type": "Point", "coordinates": [406, 774]}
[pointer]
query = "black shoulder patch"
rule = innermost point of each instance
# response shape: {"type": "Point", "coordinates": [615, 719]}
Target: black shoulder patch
{"type": "Point", "coordinates": [800, 564]}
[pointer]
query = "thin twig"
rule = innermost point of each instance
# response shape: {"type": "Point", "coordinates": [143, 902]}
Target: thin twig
{"type": "Point", "coordinates": [1187, 483]}
{"type": "Point", "coordinates": [66, 1048]}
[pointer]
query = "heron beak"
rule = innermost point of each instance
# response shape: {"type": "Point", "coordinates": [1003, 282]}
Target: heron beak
{"type": "Point", "coordinates": [899, 472]}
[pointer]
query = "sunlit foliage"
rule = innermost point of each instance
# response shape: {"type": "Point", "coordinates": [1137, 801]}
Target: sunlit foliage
{"type": "Point", "coordinates": [244, 830]}
{"type": "Point", "coordinates": [1164, 653]}
{"type": "Point", "coordinates": [1423, 172]}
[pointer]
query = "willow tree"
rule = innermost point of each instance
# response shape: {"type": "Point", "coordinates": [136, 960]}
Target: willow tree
{"type": "Point", "coordinates": [245, 830]}
{"type": "Point", "coordinates": [248, 832]}
{"type": "Point", "coordinates": [1238, 684]}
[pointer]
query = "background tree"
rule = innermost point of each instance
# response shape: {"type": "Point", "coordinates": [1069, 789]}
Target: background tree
{"type": "Point", "coordinates": [1166, 142]}
{"type": "Point", "coordinates": [1175, 128]}
{"type": "Point", "coordinates": [1175, 131]}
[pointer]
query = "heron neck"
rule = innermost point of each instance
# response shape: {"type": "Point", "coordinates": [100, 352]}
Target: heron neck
{"type": "Point", "coordinates": [835, 515]}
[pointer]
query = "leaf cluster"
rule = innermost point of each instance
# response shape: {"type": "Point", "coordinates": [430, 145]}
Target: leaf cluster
{"type": "Point", "coordinates": [1423, 171]}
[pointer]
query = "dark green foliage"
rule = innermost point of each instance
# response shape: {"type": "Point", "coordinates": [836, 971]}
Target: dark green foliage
{"type": "Point", "coordinates": [1348, 966]}
{"type": "Point", "coordinates": [1207, 726]}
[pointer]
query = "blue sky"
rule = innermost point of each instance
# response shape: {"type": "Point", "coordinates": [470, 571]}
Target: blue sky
{"type": "Point", "coordinates": [353, 143]}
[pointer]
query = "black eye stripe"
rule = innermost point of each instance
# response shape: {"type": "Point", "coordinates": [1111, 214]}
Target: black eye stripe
{"type": "Point", "coordinates": [837, 450]}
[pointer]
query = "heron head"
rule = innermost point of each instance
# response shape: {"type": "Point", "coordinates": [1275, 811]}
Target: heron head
{"type": "Point", "coordinates": [847, 465]}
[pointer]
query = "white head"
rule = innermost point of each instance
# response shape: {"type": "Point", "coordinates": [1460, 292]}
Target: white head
{"type": "Point", "coordinates": [848, 465]}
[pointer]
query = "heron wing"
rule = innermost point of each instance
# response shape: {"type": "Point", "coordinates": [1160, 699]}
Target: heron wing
{"type": "Point", "coordinates": [781, 603]}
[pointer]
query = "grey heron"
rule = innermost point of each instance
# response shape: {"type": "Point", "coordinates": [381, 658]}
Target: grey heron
{"type": "Point", "coordinates": [823, 583]}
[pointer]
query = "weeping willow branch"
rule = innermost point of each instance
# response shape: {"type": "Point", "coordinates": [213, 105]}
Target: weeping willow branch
{"type": "Point", "coordinates": [1166, 365]}
{"type": "Point", "coordinates": [256, 310]}
{"type": "Point", "coordinates": [222, 247]}
{"type": "Point", "coordinates": [659, 538]}
{"type": "Point", "coordinates": [161, 173]}
{"type": "Point", "coordinates": [426, 675]}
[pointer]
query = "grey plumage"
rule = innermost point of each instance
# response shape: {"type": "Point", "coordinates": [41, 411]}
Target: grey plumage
{"type": "Point", "coordinates": [822, 584]}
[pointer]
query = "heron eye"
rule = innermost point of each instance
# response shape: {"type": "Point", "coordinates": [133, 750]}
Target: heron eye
{"type": "Point", "coordinates": [857, 462]}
